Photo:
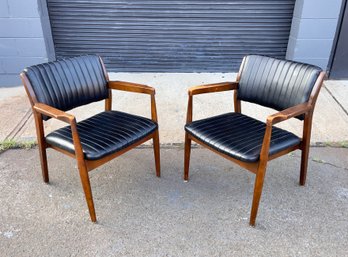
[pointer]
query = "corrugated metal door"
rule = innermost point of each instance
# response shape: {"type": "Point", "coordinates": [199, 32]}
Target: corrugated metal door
{"type": "Point", "coordinates": [171, 36]}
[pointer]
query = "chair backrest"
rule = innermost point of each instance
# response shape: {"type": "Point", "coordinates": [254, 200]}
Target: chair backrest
{"type": "Point", "coordinates": [274, 83]}
{"type": "Point", "coordinates": [68, 83]}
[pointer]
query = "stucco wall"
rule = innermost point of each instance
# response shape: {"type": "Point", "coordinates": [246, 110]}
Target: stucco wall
{"type": "Point", "coordinates": [313, 31]}
{"type": "Point", "coordinates": [21, 39]}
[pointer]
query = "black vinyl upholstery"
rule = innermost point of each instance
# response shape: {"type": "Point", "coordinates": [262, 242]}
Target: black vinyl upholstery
{"type": "Point", "coordinates": [104, 134]}
{"type": "Point", "coordinates": [274, 83]}
{"type": "Point", "coordinates": [68, 83]}
{"type": "Point", "coordinates": [239, 136]}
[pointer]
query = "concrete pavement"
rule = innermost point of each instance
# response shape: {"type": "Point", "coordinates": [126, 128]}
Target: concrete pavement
{"type": "Point", "coordinates": [330, 118]}
{"type": "Point", "coordinates": [142, 215]}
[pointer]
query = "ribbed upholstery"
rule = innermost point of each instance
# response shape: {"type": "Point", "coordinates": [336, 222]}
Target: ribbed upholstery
{"type": "Point", "coordinates": [68, 83]}
{"type": "Point", "coordinates": [239, 136]}
{"type": "Point", "coordinates": [275, 83]}
{"type": "Point", "coordinates": [104, 133]}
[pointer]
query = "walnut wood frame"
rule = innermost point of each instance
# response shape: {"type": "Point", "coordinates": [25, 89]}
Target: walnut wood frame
{"type": "Point", "coordinates": [259, 167]}
{"type": "Point", "coordinates": [84, 166]}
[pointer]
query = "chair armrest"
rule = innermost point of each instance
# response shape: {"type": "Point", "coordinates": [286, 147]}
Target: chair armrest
{"type": "Point", "coordinates": [53, 112]}
{"type": "Point", "coordinates": [288, 113]}
{"type": "Point", "coordinates": [137, 88]}
{"type": "Point", "coordinates": [276, 118]}
{"type": "Point", "coordinates": [65, 117]}
{"type": "Point", "coordinates": [131, 87]}
{"type": "Point", "coordinates": [210, 88]}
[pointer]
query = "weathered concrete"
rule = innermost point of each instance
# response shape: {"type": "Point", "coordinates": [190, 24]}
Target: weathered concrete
{"type": "Point", "coordinates": [330, 120]}
{"type": "Point", "coordinates": [141, 215]}
{"type": "Point", "coordinates": [15, 108]}
{"type": "Point", "coordinates": [339, 91]}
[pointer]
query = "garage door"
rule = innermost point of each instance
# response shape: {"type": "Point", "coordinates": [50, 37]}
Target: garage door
{"type": "Point", "coordinates": [170, 36]}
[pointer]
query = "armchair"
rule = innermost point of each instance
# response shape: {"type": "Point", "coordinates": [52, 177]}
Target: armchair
{"type": "Point", "coordinates": [56, 87]}
{"type": "Point", "coordinates": [291, 88]}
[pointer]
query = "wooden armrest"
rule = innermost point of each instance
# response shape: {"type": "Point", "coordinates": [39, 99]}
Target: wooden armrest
{"type": "Point", "coordinates": [65, 117]}
{"type": "Point", "coordinates": [53, 112]}
{"type": "Point", "coordinates": [209, 88]}
{"type": "Point", "coordinates": [288, 113]}
{"type": "Point", "coordinates": [278, 117]}
{"type": "Point", "coordinates": [131, 87]}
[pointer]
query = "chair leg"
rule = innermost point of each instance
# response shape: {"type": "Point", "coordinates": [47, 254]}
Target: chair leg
{"type": "Point", "coordinates": [307, 129]}
{"type": "Point", "coordinates": [304, 165]}
{"type": "Point", "coordinates": [257, 194]}
{"type": "Point", "coordinates": [156, 149]}
{"type": "Point", "coordinates": [87, 189]}
{"type": "Point", "coordinates": [43, 160]}
{"type": "Point", "coordinates": [187, 157]}
{"type": "Point", "coordinates": [42, 146]}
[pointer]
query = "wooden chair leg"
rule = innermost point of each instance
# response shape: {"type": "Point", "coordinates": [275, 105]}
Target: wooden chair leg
{"type": "Point", "coordinates": [257, 194]}
{"type": "Point", "coordinates": [87, 189]}
{"type": "Point", "coordinates": [307, 129]}
{"type": "Point", "coordinates": [42, 146]}
{"type": "Point", "coordinates": [156, 149]}
{"type": "Point", "coordinates": [43, 160]}
{"type": "Point", "coordinates": [187, 157]}
{"type": "Point", "coordinates": [304, 165]}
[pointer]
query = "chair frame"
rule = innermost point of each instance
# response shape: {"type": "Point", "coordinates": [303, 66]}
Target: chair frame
{"type": "Point", "coordinates": [84, 165]}
{"type": "Point", "coordinates": [259, 167]}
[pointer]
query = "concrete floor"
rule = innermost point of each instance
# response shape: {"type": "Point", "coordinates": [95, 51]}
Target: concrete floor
{"type": "Point", "coordinates": [142, 215]}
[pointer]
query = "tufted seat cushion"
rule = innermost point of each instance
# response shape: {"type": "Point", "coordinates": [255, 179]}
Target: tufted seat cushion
{"type": "Point", "coordinates": [103, 134]}
{"type": "Point", "coordinates": [239, 136]}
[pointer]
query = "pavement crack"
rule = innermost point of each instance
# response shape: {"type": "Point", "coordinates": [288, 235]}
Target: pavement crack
{"type": "Point", "coordinates": [327, 163]}
{"type": "Point", "coordinates": [335, 99]}
{"type": "Point", "coordinates": [320, 161]}
{"type": "Point", "coordinates": [19, 127]}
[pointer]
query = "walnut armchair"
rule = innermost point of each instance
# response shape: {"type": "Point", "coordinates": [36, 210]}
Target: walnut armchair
{"type": "Point", "coordinates": [291, 88]}
{"type": "Point", "coordinates": [56, 87]}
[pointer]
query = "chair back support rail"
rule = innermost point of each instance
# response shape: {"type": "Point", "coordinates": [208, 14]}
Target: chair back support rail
{"type": "Point", "coordinates": [300, 103]}
{"type": "Point", "coordinates": [59, 86]}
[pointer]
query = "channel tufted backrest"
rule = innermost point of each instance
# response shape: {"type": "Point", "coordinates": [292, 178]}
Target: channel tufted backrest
{"type": "Point", "coordinates": [68, 83]}
{"type": "Point", "coordinates": [274, 83]}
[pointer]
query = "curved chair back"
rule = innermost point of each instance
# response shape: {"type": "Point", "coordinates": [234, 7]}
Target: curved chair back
{"type": "Point", "coordinates": [274, 83]}
{"type": "Point", "coordinates": [68, 83]}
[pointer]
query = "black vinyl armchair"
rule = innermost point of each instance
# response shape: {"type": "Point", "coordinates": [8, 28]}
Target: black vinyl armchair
{"type": "Point", "coordinates": [56, 87]}
{"type": "Point", "coordinates": [291, 88]}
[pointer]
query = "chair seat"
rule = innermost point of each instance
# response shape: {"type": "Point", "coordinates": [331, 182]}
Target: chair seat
{"type": "Point", "coordinates": [239, 136]}
{"type": "Point", "coordinates": [103, 134]}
